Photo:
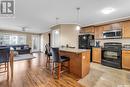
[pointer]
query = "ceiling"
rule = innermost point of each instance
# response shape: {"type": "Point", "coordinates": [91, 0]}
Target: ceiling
{"type": "Point", "coordinates": [39, 15]}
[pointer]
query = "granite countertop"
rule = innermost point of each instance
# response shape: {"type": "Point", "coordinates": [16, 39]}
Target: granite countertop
{"type": "Point", "coordinates": [74, 50]}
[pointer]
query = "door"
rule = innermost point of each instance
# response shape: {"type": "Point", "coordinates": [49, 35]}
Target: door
{"type": "Point", "coordinates": [35, 43]}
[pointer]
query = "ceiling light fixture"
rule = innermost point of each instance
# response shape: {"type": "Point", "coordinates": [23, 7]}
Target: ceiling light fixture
{"type": "Point", "coordinates": [108, 10]}
{"type": "Point", "coordinates": [24, 29]}
{"type": "Point", "coordinates": [78, 26]}
{"type": "Point", "coordinates": [57, 20]}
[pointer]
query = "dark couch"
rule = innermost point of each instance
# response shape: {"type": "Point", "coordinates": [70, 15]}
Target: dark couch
{"type": "Point", "coordinates": [21, 49]}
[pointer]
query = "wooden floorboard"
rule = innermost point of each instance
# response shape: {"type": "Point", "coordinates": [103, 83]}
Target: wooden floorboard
{"type": "Point", "coordinates": [32, 73]}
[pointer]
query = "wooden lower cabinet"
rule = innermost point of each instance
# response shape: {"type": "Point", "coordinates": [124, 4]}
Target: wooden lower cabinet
{"type": "Point", "coordinates": [96, 55]}
{"type": "Point", "coordinates": [126, 59]}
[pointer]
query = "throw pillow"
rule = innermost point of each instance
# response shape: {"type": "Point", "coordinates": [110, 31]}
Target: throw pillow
{"type": "Point", "coordinates": [18, 48]}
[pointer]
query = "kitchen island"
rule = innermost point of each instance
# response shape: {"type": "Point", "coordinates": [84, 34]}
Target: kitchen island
{"type": "Point", "coordinates": [79, 60]}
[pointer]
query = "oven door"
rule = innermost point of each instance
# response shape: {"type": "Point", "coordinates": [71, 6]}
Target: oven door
{"type": "Point", "coordinates": [112, 58]}
{"type": "Point", "coordinates": [111, 54]}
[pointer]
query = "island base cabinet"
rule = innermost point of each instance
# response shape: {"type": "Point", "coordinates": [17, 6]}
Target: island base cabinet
{"type": "Point", "coordinates": [85, 63]}
{"type": "Point", "coordinates": [79, 62]}
{"type": "Point", "coordinates": [126, 59]}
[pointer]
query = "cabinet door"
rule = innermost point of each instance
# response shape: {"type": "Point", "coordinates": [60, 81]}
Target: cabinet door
{"type": "Point", "coordinates": [82, 30]}
{"type": "Point", "coordinates": [99, 32]}
{"type": "Point", "coordinates": [113, 26]}
{"type": "Point", "coordinates": [126, 59]}
{"type": "Point", "coordinates": [107, 27]}
{"type": "Point", "coordinates": [126, 29]}
{"type": "Point", "coordinates": [96, 55]}
{"type": "Point", "coordinates": [87, 30]}
{"type": "Point", "coordinates": [85, 63]}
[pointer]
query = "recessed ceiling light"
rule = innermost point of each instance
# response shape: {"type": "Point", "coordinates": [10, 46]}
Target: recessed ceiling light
{"type": "Point", "coordinates": [108, 10]}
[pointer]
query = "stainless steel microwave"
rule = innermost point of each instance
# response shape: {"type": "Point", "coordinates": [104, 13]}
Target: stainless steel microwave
{"type": "Point", "coordinates": [113, 34]}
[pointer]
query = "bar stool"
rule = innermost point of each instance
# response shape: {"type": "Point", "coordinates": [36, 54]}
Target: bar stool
{"type": "Point", "coordinates": [48, 54]}
{"type": "Point", "coordinates": [59, 60]}
{"type": "Point", "coordinates": [4, 61]}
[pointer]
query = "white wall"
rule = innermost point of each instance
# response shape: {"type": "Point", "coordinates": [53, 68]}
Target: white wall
{"type": "Point", "coordinates": [68, 34]}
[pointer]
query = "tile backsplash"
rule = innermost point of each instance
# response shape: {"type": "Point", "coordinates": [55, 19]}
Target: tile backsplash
{"type": "Point", "coordinates": [123, 41]}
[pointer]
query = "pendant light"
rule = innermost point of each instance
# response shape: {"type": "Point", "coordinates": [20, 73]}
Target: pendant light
{"type": "Point", "coordinates": [57, 19]}
{"type": "Point", "coordinates": [78, 26]}
{"type": "Point", "coordinates": [57, 32]}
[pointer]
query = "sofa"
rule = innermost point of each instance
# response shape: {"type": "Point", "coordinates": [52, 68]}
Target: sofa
{"type": "Point", "coordinates": [21, 49]}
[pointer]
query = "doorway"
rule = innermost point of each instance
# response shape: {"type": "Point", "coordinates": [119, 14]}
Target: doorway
{"type": "Point", "coordinates": [35, 43]}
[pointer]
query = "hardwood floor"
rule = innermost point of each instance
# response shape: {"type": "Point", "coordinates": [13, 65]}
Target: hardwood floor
{"type": "Point", "coordinates": [32, 73]}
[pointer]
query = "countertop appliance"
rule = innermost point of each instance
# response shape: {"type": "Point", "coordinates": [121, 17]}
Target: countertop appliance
{"type": "Point", "coordinates": [112, 55]}
{"type": "Point", "coordinates": [86, 42]}
{"type": "Point", "coordinates": [112, 34]}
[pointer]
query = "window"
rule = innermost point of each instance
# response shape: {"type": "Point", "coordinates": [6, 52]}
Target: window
{"type": "Point", "coordinates": [12, 39]}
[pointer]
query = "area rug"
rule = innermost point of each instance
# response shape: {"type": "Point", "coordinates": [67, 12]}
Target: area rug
{"type": "Point", "coordinates": [23, 57]}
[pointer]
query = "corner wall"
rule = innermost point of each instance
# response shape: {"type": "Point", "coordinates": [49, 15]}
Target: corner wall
{"type": "Point", "coordinates": [68, 34]}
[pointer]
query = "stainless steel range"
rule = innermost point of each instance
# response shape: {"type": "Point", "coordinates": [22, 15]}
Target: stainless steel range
{"type": "Point", "coordinates": [111, 55]}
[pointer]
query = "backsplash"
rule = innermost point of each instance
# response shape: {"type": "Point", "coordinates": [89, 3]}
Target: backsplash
{"type": "Point", "coordinates": [123, 41]}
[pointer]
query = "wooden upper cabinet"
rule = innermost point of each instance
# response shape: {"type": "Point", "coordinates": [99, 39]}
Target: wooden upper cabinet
{"type": "Point", "coordinates": [99, 32]}
{"type": "Point", "coordinates": [126, 29]}
{"type": "Point", "coordinates": [113, 26]}
{"type": "Point", "coordinates": [107, 27]}
{"type": "Point", "coordinates": [87, 30]}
